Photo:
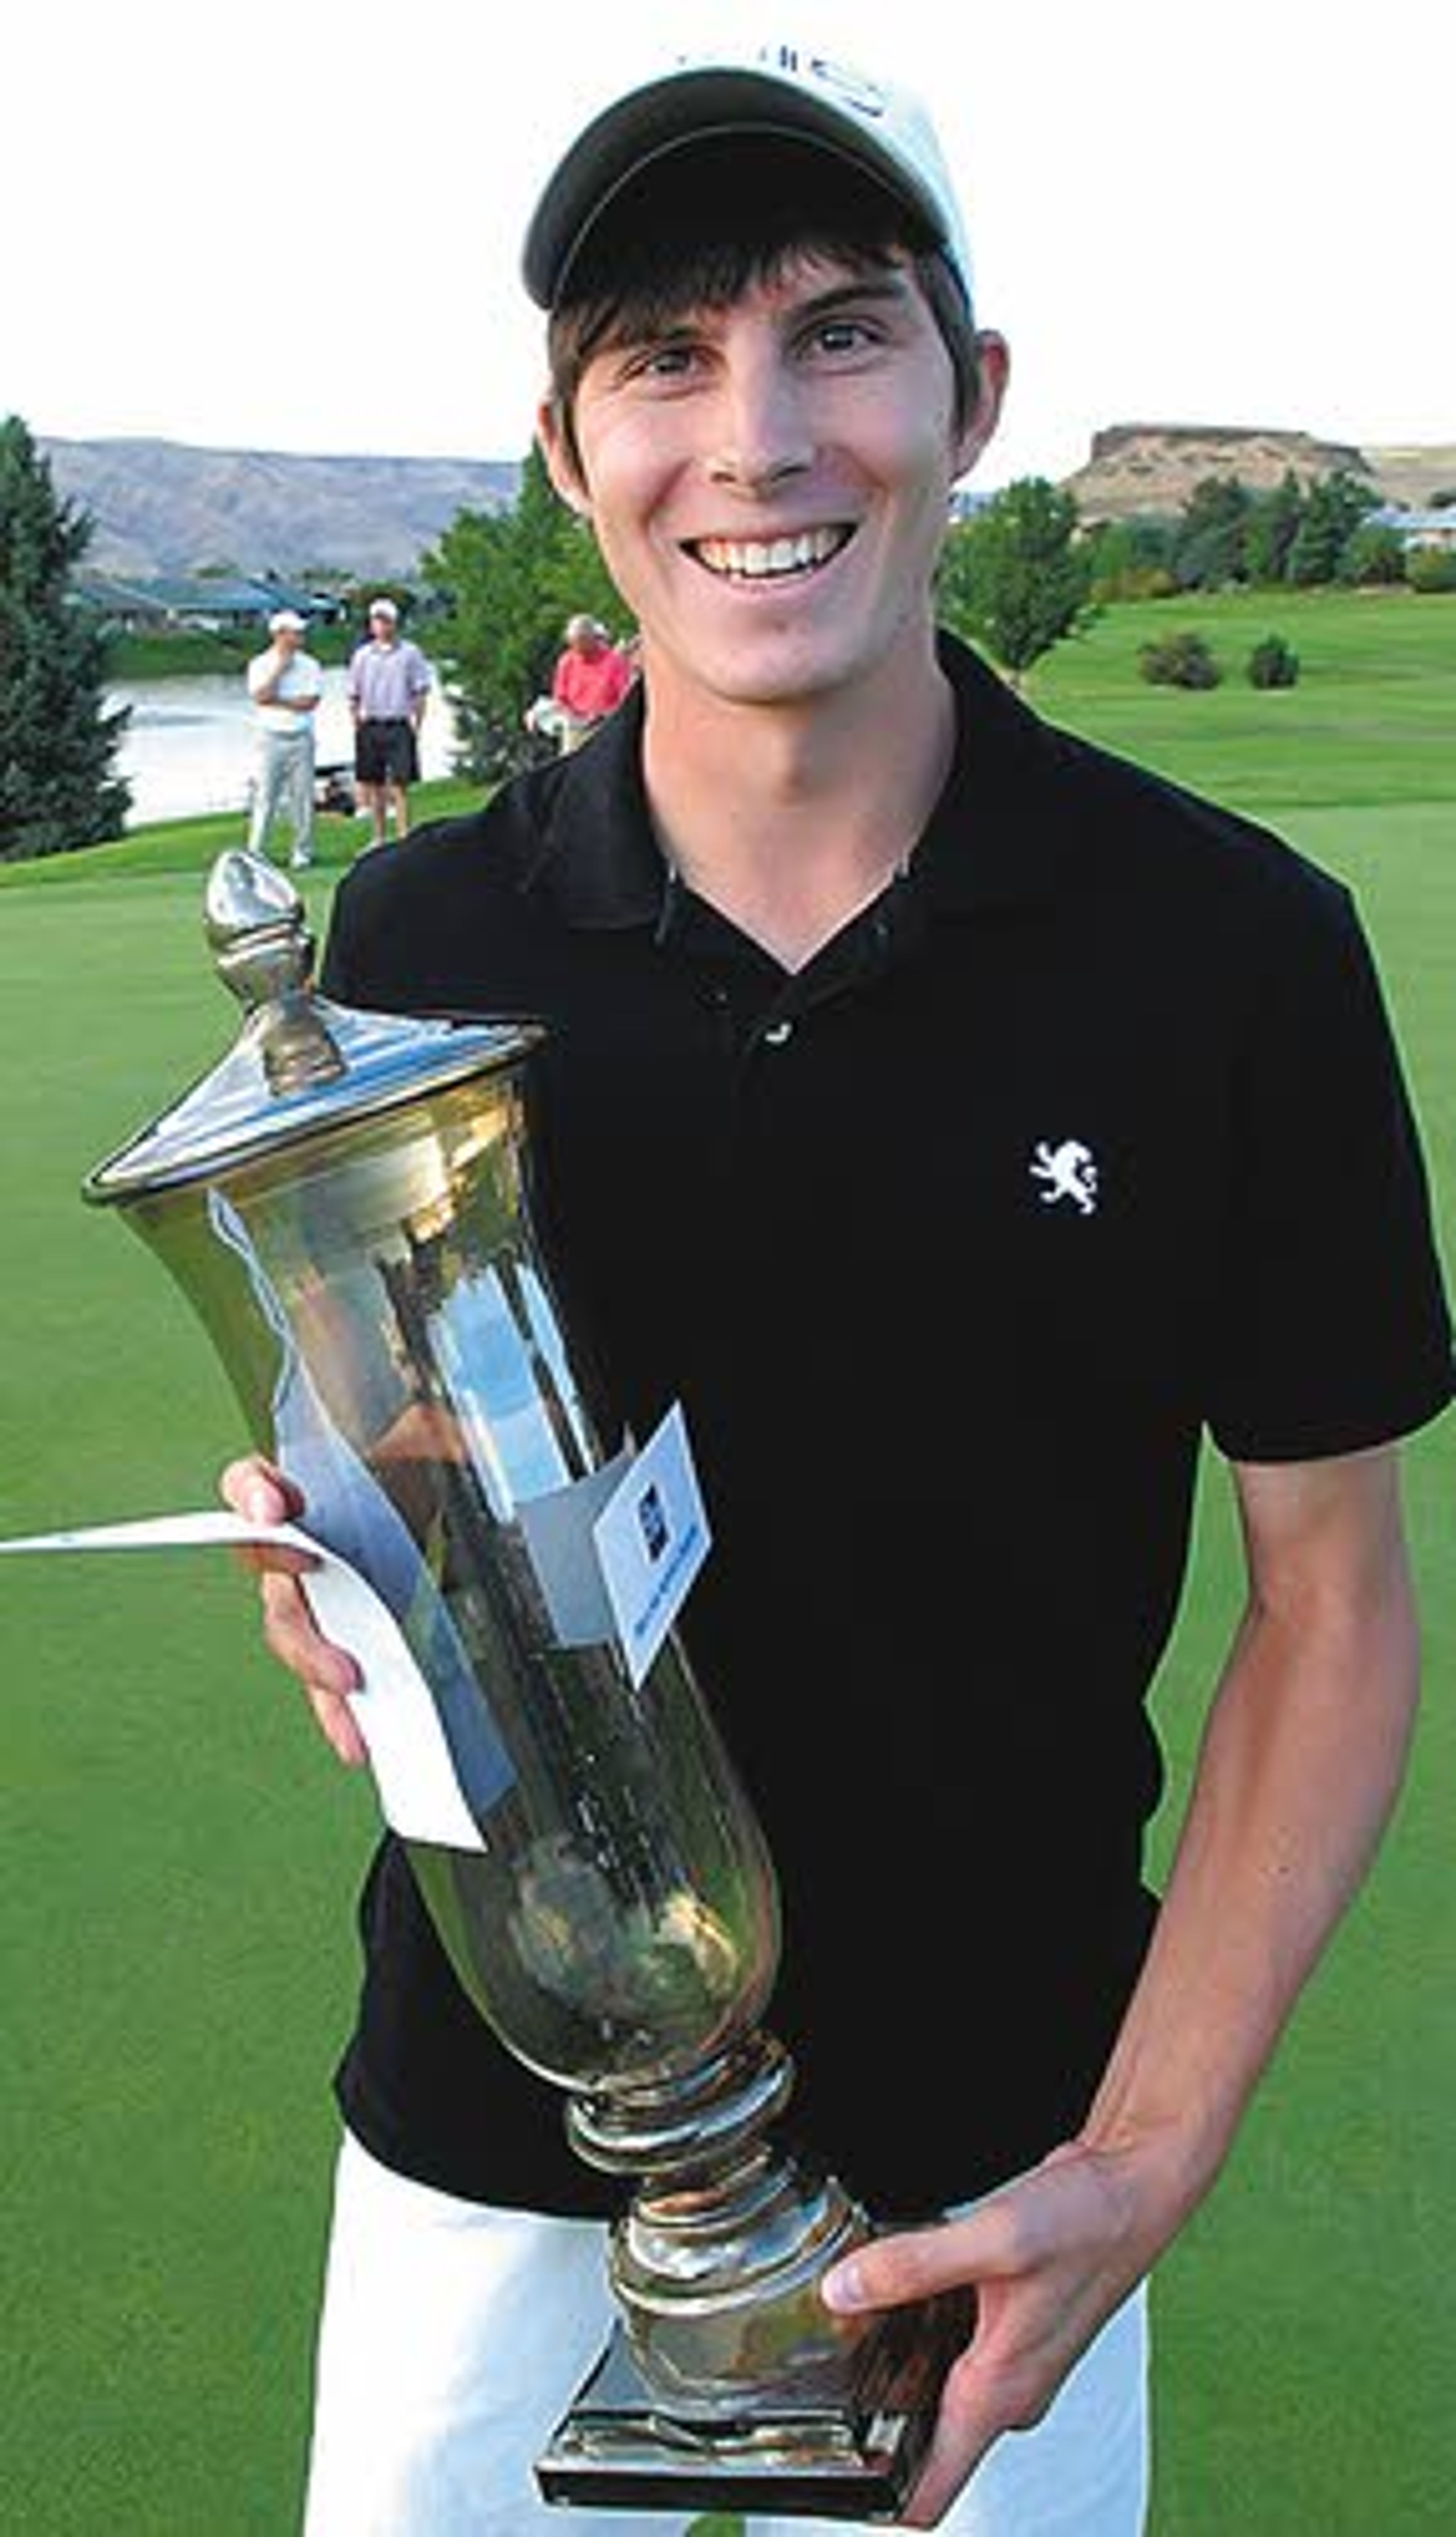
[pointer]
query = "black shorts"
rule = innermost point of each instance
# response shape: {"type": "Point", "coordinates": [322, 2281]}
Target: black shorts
{"type": "Point", "coordinates": [386, 752]}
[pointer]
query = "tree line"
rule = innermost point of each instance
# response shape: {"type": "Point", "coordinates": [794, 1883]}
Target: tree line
{"type": "Point", "coordinates": [1295, 535]}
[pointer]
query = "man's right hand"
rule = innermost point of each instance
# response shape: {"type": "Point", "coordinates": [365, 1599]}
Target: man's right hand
{"type": "Point", "coordinates": [260, 1493]}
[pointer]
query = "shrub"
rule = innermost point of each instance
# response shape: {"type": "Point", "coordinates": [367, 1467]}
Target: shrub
{"type": "Point", "coordinates": [1271, 664]}
{"type": "Point", "coordinates": [1134, 581]}
{"type": "Point", "coordinates": [1178, 661]}
{"type": "Point", "coordinates": [1431, 568]}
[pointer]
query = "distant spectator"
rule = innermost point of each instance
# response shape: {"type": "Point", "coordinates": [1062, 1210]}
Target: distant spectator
{"type": "Point", "coordinates": [591, 679]}
{"type": "Point", "coordinates": [285, 683]}
{"type": "Point", "coordinates": [388, 686]}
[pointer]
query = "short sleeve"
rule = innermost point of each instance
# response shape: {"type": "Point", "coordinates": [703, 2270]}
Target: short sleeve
{"type": "Point", "coordinates": [1331, 1325]}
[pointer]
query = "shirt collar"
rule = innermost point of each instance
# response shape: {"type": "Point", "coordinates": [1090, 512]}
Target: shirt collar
{"type": "Point", "coordinates": [598, 857]}
{"type": "Point", "coordinates": [996, 837]}
{"type": "Point", "coordinates": [999, 833]}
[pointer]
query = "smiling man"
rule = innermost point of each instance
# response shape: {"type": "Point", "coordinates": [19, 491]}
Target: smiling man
{"type": "Point", "coordinates": [919, 1106]}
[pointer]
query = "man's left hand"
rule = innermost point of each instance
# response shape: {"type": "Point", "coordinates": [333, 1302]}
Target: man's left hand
{"type": "Point", "coordinates": [1050, 2256]}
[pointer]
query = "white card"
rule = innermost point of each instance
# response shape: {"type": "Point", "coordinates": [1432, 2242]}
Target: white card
{"type": "Point", "coordinates": [652, 1539]}
{"type": "Point", "coordinates": [558, 1530]}
{"type": "Point", "coordinates": [419, 1792]}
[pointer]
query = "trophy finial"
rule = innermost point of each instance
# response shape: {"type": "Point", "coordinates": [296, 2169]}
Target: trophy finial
{"type": "Point", "coordinates": [258, 928]}
{"type": "Point", "coordinates": [302, 1066]}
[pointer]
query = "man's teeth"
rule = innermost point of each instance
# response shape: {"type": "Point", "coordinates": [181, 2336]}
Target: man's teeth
{"type": "Point", "coordinates": [752, 559]}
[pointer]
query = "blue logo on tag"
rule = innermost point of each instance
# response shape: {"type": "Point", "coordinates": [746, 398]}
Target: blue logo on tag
{"type": "Point", "coordinates": [653, 1523]}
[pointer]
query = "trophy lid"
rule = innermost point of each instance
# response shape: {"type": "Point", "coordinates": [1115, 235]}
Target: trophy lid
{"type": "Point", "coordinates": [301, 1064]}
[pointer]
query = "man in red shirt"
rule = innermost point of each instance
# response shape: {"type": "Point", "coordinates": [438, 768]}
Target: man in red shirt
{"type": "Point", "coordinates": [591, 679]}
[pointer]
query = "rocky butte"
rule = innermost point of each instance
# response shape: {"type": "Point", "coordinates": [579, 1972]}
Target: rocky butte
{"type": "Point", "coordinates": [1151, 469]}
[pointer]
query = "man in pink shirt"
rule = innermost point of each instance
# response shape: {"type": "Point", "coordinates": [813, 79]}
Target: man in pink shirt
{"type": "Point", "coordinates": [591, 679]}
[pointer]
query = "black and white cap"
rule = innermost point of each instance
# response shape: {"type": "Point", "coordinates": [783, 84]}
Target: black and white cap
{"type": "Point", "coordinates": [784, 88]}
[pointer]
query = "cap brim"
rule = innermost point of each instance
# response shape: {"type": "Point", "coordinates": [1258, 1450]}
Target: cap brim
{"type": "Point", "coordinates": [672, 114]}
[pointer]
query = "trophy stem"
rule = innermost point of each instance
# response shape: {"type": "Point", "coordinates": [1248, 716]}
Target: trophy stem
{"type": "Point", "coordinates": [697, 2118]}
{"type": "Point", "coordinates": [717, 2262]}
{"type": "Point", "coordinates": [728, 2380]}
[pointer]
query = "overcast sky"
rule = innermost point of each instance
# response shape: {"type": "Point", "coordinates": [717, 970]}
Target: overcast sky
{"type": "Point", "coordinates": [300, 231]}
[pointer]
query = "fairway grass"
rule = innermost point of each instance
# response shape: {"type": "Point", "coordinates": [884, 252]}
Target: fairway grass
{"type": "Point", "coordinates": [179, 1855]}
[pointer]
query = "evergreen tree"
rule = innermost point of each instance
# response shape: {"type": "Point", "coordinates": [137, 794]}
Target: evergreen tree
{"type": "Point", "coordinates": [1333, 514]}
{"type": "Point", "coordinates": [1273, 524]}
{"type": "Point", "coordinates": [510, 580]}
{"type": "Point", "coordinates": [58, 787]}
{"type": "Point", "coordinates": [1208, 542]}
{"type": "Point", "coordinates": [1014, 579]}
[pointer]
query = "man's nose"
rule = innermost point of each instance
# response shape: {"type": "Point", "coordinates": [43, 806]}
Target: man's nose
{"type": "Point", "coordinates": [763, 434]}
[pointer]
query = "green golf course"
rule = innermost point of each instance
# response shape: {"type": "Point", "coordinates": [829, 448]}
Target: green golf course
{"type": "Point", "coordinates": [179, 1851]}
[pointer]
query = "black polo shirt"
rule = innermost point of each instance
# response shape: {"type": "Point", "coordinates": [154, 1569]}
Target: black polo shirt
{"type": "Point", "coordinates": [1086, 1138]}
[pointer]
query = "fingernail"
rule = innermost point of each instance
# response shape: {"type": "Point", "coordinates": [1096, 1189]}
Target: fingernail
{"type": "Point", "coordinates": [844, 2288]}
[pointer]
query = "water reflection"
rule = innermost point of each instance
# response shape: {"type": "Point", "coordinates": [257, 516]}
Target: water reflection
{"type": "Point", "coordinates": [191, 742]}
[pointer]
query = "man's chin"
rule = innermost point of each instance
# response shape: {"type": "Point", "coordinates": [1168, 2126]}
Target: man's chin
{"type": "Point", "coordinates": [761, 678]}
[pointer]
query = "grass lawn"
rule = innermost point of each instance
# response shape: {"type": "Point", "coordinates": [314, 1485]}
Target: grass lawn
{"type": "Point", "coordinates": [178, 1852]}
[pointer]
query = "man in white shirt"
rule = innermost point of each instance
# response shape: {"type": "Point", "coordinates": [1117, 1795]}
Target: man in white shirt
{"type": "Point", "coordinates": [285, 683]}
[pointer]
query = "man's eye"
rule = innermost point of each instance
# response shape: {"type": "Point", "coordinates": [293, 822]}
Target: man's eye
{"type": "Point", "coordinates": [841, 334]}
{"type": "Point", "coordinates": [661, 362]}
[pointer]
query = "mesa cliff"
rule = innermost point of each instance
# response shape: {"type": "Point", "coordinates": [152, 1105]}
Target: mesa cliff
{"type": "Point", "coordinates": [1145, 470]}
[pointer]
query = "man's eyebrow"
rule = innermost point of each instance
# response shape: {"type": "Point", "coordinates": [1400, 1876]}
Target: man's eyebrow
{"type": "Point", "coordinates": [631, 333]}
{"type": "Point", "coordinates": [890, 289]}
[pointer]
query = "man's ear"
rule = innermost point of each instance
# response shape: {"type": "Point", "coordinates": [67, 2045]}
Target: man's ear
{"type": "Point", "coordinates": [993, 368]}
{"type": "Point", "coordinates": [555, 448]}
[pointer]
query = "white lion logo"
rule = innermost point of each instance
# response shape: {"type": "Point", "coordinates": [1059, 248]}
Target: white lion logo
{"type": "Point", "coordinates": [1067, 1170]}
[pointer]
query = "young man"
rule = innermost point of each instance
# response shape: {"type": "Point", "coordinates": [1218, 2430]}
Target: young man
{"type": "Point", "coordinates": [958, 1121]}
{"type": "Point", "coordinates": [389, 684]}
{"type": "Point", "coordinates": [285, 685]}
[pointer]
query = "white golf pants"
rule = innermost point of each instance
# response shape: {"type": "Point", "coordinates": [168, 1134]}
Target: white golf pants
{"type": "Point", "coordinates": [284, 790]}
{"type": "Point", "coordinates": [454, 2337]}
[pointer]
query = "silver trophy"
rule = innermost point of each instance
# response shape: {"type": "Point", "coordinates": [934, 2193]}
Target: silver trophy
{"type": "Point", "coordinates": [344, 1200]}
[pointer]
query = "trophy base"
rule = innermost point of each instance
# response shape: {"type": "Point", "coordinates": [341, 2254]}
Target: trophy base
{"type": "Point", "coordinates": [855, 2458]}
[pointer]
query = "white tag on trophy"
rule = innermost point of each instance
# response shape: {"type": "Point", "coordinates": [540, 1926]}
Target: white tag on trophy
{"type": "Point", "coordinates": [419, 1792]}
{"type": "Point", "coordinates": [558, 1528]}
{"type": "Point", "coordinates": [652, 1539]}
